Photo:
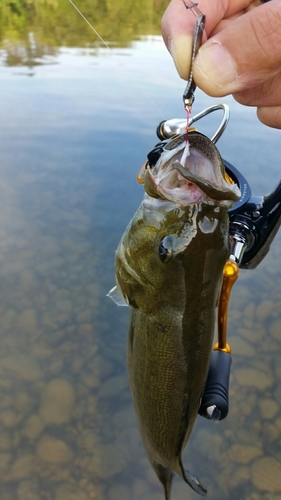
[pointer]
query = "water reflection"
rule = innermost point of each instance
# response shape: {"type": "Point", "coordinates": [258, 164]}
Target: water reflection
{"type": "Point", "coordinates": [31, 32]}
{"type": "Point", "coordinates": [71, 143]}
{"type": "Point", "coordinates": [32, 54]}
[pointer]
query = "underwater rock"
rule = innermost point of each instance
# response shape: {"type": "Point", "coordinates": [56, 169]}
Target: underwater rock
{"type": "Point", "coordinates": [22, 467]}
{"type": "Point", "coordinates": [250, 377]}
{"type": "Point", "coordinates": [275, 329]}
{"type": "Point", "coordinates": [270, 432]}
{"type": "Point", "coordinates": [239, 476]}
{"type": "Point", "coordinates": [9, 418]}
{"type": "Point", "coordinates": [85, 329]}
{"type": "Point", "coordinates": [268, 408]}
{"type": "Point", "coordinates": [21, 366]}
{"type": "Point", "coordinates": [253, 334]}
{"type": "Point", "coordinates": [119, 491]}
{"type": "Point", "coordinates": [243, 454]}
{"type": "Point", "coordinates": [64, 306]}
{"type": "Point", "coordinates": [5, 460]}
{"type": "Point", "coordinates": [8, 320]}
{"type": "Point", "coordinates": [28, 490]}
{"type": "Point", "coordinates": [242, 348]}
{"type": "Point", "coordinates": [27, 322]}
{"type": "Point", "coordinates": [33, 427]}
{"type": "Point", "coordinates": [109, 460]}
{"type": "Point", "coordinates": [264, 309]}
{"type": "Point", "coordinates": [69, 492]}
{"type": "Point", "coordinates": [41, 352]}
{"type": "Point", "coordinates": [265, 474]}
{"type": "Point", "coordinates": [139, 488]}
{"type": "Point", "coordinates": [5, 441]}
{"type": "Point", "coordinates": [53, 450]}
{"type": "Point", "coordinates": [57, 402]}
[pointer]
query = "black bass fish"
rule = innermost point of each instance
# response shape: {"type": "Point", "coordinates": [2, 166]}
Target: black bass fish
{"type": "Point", "coordinates": [169, 267]}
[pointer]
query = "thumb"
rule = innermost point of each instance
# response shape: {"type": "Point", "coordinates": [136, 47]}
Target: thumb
{"type": "Point", "coordinates": [245, 54]}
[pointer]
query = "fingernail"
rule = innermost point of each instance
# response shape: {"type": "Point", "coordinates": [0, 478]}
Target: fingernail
{"type": "Point", "coordinates": [181, 52]}
{"type": "Point", "coordinates": [216, 65]}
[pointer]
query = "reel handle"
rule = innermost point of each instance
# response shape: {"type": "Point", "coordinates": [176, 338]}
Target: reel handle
{"type": "Point", "coordinates": [214, 404]}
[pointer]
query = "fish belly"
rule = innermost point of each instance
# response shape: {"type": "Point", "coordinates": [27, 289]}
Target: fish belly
{"type": "Point", "coordinates": [166, 394]}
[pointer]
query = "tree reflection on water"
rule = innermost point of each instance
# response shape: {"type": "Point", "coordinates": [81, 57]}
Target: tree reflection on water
{"type": "Point", "coordinates": [33, 30]}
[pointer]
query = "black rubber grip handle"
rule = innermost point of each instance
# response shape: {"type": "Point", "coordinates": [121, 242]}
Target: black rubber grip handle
{"type": "Point", "coordinates": [216, 389]}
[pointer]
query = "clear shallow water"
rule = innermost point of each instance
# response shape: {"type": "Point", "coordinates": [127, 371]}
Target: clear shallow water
{"type": "Point", "coordinates": [72, 138]}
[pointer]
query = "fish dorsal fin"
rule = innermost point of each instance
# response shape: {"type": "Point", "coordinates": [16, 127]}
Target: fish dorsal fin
{"type": "Point", "coordinates": [116, 295]}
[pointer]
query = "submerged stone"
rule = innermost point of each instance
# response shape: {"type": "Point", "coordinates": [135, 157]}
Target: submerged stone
{"type": "Point", "coordinates": [243, 454]}
{"type": "Point", "coordinates": [265, 474]}
{"type": "Point", "coordinates": [53, 450]}
{"type": "Point", "coordinates": [251, 377]}
{"type": "Point", "coordinates": [57, 402]}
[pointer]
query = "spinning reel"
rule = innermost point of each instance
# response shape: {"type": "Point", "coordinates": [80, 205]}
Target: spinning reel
{"type": "Point", "coordinates": [253, 224]}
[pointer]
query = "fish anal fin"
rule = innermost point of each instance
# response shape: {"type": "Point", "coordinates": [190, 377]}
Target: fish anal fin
{"type": "Point", "coordinates": [165, 476]}
{"type": "Point", "coordinates": [192, 481]}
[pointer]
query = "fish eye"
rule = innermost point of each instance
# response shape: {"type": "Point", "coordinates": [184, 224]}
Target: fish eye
{"type": "Point", "coordinates": [165, 249]}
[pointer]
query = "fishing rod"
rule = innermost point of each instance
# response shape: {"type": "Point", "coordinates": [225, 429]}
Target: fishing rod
{"type": "Point", "coordinates": [253, 224]}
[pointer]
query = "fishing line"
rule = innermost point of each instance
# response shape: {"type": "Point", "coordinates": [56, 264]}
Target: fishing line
{"type": "Point", "coordinates": [89, 24]}
{"type": "Point", "coordinates": [108, 47]}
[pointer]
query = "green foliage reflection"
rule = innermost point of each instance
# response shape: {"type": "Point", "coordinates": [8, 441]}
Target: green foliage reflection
{"type": "Point", "coordinates": [30, 29]}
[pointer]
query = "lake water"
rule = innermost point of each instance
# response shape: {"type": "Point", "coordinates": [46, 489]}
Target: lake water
{"type": "Point", "coordinates": [74, 131]}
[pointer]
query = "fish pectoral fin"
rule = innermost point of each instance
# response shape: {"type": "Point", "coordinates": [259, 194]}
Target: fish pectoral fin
{"type": "Point", "coordinates": [194, 482]}
{"type": "Point", "coordinates": [116, 295]}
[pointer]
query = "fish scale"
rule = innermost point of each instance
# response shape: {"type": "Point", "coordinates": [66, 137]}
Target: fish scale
{"type": "Point", "coordinates": [169, 268]}
{"type": "Point", "coordinates": [160, 367]}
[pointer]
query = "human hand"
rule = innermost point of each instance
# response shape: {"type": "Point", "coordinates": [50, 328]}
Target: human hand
{"type": "Point", "coordinates": [240, 55]}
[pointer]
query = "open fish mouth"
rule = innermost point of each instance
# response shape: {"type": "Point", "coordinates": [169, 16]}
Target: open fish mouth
{"type": "Point", "coordinates": [174, 183]}
{"type": "Point", "coordinates": [198, 176]}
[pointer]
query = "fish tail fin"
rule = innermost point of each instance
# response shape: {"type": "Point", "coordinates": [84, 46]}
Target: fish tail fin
{"type": "Point", "coordinates": [165, 476]}
{"type": "Point", "coordinates": [192, 480]}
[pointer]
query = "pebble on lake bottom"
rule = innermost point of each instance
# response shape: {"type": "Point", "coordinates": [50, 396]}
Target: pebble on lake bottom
{"type": "Point", "coordinates": [33, 427]}
{"type": "Point", "coordinates": [268, 408]}
{"type": "Point", "coordinates": [250, 377]}
{"type": "Point", "coordinates": [53, 450]}
{"type": "Point", "coordinates": [57, 402]}
{"type": "Point", "coordinates": [243, 454]}
{"type": "Point", "coordinates": [266, 474]}
{"type": "Point", "coordinates": [68, 430]}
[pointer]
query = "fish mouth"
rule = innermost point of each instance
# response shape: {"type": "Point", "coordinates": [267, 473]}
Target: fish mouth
{"type": "Point", "coordinates": [192, 175]}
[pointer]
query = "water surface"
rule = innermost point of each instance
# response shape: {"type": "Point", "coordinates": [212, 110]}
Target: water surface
{"type": "Point", "coordinates": [74, 131]}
